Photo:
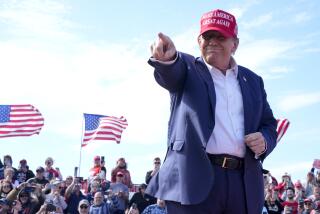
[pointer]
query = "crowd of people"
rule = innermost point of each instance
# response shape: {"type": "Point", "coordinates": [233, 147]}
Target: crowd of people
{"type": "Point", "coordinates": [46, 191]}
{"type": "Point", "coordinates": [292, 197]}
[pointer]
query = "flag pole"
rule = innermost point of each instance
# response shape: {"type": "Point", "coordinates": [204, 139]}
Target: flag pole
{"type": "Point", "coordinates": [78, 174]}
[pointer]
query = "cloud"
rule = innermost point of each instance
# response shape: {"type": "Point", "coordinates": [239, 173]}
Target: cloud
{"type": "Point", "coordinates": [258, 22]}
{"type": "Point", "coordinates": [302, 17]}
{"type": "Point", "coordinates": [297, 101]}
{"type": "Point", "coordinates": [36, 18]}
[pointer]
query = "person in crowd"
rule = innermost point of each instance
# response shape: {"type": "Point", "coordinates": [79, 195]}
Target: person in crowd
{"type": "Point", "coordinates": [99, 206]}
{"type": "Point", "coordinates": [69, 180]}
{"type": "Point", "coordinates": [39, 178]}
{"type": "Point", "coordinates": [284, 184]}
{"type": "Point", "coordinates": [309, 184]}
{"type": "Point", "coordinates": [103, 173]}
{"type": "Point", "coordinates": [5, 187]}
{"type": "Point", "coordinates": [122, 166]}
{"type": "Point", "coordinates": [209, 139]}
{"type": "Point", "coordinates": [96, 169]}
{"type": "Point", "coordinates": [23, 172]}
{"type": "Point", "coordinates": [156, 167]}
{"type": "Point", "coordinates": [9, 175]}
{"type": "Point", "coordinates": [316, 209]}
{"type": "Point", "coordinates": [83, 207]}
{"type": "Point", "coordinates": [307, 205]}
{"type": "Point", "coordinates": [7, 160]}
{"type": "Point", "coordinates": [55, 197]}
{"type": "Point", "coordinates": [49, 208]}
{"type": "Point", "coordinates": [50, 173]}
{"type": "Point", "coordinates": [30, 197]}
{"type": "Point", "coordinates": [272, 202]}
{"type": "Point", "coordinates": [290, 205]}
{"type": "Point", "coordinates": [158, 208]}
{"type": "Point", "coordinates": [94, 188]}
{"type": "Point", "coordinates": [141, 199]}
{"type": "Point", "coordinates": [299, 191]}
{"type": "Point", "coordinates": [121, 191]}
{"type": "Point", "coordinates": [316, 194]}
{"type": "Point", "coordinates": [317, 178]}
{"type": "Point", "coordinates": [1, 170]}
{"type": "Point", "coordinates": [73, 196]}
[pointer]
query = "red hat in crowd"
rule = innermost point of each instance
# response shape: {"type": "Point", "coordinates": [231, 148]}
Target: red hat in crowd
{"type": "Point", "coordinates": [96, 157]}
{"type": "Point", "coordinates": [221, 21]}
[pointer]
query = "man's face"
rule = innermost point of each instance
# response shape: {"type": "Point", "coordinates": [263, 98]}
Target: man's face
{"type": "Point", "coordinates": [98, 198]}
{"type": "Point", "coordinates": [119, 178]}
{"type": "Point", "coordinates": [39, 174]}
{"type": "Point", "coordinates": [290, 194]}
{"type": "Point", "coordinates": [216, 49]}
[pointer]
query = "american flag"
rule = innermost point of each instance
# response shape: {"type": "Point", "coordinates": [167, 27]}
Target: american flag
{"type": "Point", "coordinates": [282, 127]}
{"type": "Point", "coordinates": [100, 127]}
{"type": "Point", "coordinates": [19, 120]}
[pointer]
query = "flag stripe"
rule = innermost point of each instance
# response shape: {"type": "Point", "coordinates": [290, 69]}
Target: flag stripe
{"type": "Point", "coordinates": [100, 127]}
{"type": "Point", "coordinates": [20, 120]}
{"type": "Point", "coordinates": [282, 126]}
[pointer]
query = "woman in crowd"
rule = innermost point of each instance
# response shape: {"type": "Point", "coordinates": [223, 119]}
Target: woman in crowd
{"type": "Point", "coordinates": [5, 187]}
{"type": "Point", "coordinates": [122, 167]}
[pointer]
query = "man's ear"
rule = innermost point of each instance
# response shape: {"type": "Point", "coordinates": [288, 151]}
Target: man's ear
{"type": "Point", "coordinates": [235, 45]}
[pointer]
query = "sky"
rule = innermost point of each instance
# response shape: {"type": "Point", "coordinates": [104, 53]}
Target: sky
{"type": "Point", "coordinates": [69, 57]}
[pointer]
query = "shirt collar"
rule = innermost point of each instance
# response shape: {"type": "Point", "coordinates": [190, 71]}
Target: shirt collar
{"type": "Point", "coordinates": [234, 66]}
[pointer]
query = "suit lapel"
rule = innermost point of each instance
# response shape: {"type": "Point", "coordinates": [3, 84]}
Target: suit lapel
{"type": "Point", "coordinates": [205, 74]}
{"type": "Point", "coordinates": [245, 91]}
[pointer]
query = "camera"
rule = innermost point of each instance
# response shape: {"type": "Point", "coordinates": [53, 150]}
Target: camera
{"type": "Point", "coordinates": [50, 207]}
{"type": "Point", "coordinates": [79, 179]}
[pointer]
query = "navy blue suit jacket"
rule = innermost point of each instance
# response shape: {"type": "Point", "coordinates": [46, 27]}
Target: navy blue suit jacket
{"type": "Point", "coordinates": [186, 175]}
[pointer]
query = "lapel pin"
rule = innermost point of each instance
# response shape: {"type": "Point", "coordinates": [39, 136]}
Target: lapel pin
{"type": "Point", "coordinates": [244, 79]}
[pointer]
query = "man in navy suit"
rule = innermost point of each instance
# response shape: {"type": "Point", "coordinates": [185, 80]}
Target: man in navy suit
{"type": "Point", "coordinates": [221, 126]}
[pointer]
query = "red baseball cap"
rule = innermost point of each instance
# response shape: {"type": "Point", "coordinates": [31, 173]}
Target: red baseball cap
{"type": "Point", "coordinates": [221, 21]}
{"type": "Point", "coordinates": [96, 157]}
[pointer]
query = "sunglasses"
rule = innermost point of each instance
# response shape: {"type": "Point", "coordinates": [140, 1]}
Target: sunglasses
{"type": "Point", "coordinates": [157, 163]}
{"type": "Point", "coordinates": [83, 206]}
{"type": "Point", "coordinates": [6, 186]}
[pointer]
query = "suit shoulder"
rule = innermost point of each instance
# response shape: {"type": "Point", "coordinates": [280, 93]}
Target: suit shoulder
{"type": "Point", "coordinates": [247, 72]}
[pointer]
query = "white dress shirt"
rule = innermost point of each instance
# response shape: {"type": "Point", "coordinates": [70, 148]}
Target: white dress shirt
{"type": "Point", "coordinates": [228, 133]}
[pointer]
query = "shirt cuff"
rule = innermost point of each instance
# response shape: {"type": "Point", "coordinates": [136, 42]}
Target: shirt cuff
{"type": "Point", "coordinates": [164, 62]}
{"type": "Point", "coordinates": [257, 156]}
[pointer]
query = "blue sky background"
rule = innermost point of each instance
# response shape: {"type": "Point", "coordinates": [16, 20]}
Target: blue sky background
{"type": "Point", "coordinates": [72, 57]}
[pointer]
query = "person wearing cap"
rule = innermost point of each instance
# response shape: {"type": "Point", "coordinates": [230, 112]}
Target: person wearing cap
{"type": "Point", "coordinates": [141, 199]}
{"type": "Point", "coordinates": [24, 173]}
{"type": "Point", "coordinates": [221, 126]}
{"type": "Point", "coordinates": [39, 178]}
{"type": "Point", "coordinates": [83, 207]}
{"type": "Point", "coordinates": [121, 166]}
{"type": "Point", "coordinates": [121, 191]}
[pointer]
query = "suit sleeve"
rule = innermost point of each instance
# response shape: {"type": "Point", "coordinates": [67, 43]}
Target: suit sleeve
{"type": "Point", "coordinates": [268, 125]}
{"type": "Point", "coordinates": [170, 76]}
